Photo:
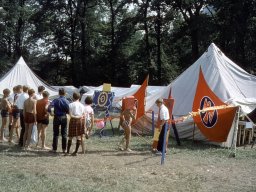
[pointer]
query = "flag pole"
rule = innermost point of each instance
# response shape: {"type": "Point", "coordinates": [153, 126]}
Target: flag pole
{"type": "Point", "coordinates": [153, 122]}
{"type": "Point", "coordinates": [164, 143]}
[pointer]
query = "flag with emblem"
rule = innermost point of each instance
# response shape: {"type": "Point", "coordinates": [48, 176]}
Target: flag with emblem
{"type": "Point", "coordinates": [214, 118]}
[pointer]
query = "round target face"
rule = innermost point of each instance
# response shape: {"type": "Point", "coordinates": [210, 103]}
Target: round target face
{"type": "Point", "coordinates": [102, 99]}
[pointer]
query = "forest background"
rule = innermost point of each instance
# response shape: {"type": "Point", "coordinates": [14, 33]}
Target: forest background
{"type": "Point", "coordinates": [89, 42]}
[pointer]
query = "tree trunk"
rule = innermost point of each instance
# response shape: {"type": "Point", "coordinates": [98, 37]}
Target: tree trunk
{"type": "Point", "coordinates": [194, 43]}
{"type": "Point", "coordinates": [84, 53]}
{"type": "Point", "coordinates": [72, 48]}
{"type": "Point", "coordinates": [112, 50]}
{"type": "Point", "coordinates": [148, 53]}
{"type": "Point", "coordinates": [18, 36]}
{"type": "Point", "coordinates": [158, 38]}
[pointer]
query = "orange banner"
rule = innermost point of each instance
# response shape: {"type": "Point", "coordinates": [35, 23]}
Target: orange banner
{"type": "Point", "coordinates": [140, 96]}
{"type": "Point", "coordinates": [214, 124]}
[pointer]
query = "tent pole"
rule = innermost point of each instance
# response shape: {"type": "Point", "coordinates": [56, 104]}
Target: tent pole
{"type": "Point", "coordinates": [153, 123]}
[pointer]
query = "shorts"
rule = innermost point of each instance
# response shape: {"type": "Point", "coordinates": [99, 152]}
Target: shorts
{"type": "Point", "coordinates": [44, 121]}
{"type": "Point", "coordinates": [76, 127]}
{"type": "Point", "coordinates": [4, 113]}
{"type": "Point", "coordinates": [29, 118]}
{"type": "Point", "coordinates": [16, 113]}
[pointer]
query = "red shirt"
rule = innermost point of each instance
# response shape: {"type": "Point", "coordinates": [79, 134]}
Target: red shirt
{"type": "Point", "coordinates": [41, 112]}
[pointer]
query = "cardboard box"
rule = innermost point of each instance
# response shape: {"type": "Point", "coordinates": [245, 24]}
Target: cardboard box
{"type": "Point", "coordinates": [106, 87]}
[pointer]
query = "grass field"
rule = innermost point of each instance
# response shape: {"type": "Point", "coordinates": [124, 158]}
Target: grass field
{"type": "Point", "coordinates": [189, 167]}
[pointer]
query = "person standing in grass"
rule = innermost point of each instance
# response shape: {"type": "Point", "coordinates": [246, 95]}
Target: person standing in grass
{"type": "Point", "coordinates": [127, 117]}
{"type": "Point", "coordinates": [42, 118]}
{"type": "Point", "coordinates": [89, 116]}
{"type": "Point", "coordinates": [29, 113]}
{"type": "Point", "coordinates": [76, 123]}
{"type": "Point", "coordinates": [61, 109]}
{"type": "Point", "coordinates": [5, 108]}
{"type": "Point", "coordinates": [12, 98]}
{"type": "Point", "coordinates": [19, 114]}
{"type": "Point", "coordinates": [89, 120]}
{"type": "Point", "coordinates": [163, 117]}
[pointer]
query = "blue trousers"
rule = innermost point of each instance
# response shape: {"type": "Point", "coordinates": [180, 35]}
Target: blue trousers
{"type": "Point", "coordinates": [161, 139]}
{"type": "Point", "coordinates": [59, 121]}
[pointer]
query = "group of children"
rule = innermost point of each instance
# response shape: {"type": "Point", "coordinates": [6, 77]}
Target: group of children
{"type": "Point", "coordinates": [21, 108]}
{"type": "Point", "coordinates": [24, 109]}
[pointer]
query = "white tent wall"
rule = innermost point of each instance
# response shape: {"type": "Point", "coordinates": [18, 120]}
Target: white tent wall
{"type": "Point", "coordinates": [85, 89]}
{"type": "Point", "coordinates": [21, 74]}
{"type": "Point", "coordinates": [70, 89]}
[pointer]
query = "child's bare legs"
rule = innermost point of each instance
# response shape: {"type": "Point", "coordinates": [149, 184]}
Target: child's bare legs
{"type": "Point", "coordinates": [17, 133]}
{"type": "Point", "coordinates": [17, 129]}
{"type": "Point", "coordinates": [4, 122]}
{"type": "Point", "coordinates": [39, 130]}
{"type": "Point", "coordinates": [43, 136]}
{"type": "Point", "coordinates": [121, 144]}
{"type": "Point", "coordinates": [14, 124]}
{"type": "Point", "coordinates": [127, 137]}
{"type": "Point", "coordinates": [27, 134]}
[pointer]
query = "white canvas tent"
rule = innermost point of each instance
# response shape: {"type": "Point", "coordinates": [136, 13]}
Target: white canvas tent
{"type": "Point", "coordinates": [70, 89]}
{"type": "Point", "coordinates": [21, 74]}
{"type": "Point", "coordinates": [226, 79]}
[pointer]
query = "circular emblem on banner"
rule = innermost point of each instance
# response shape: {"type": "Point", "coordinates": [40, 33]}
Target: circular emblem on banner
{"type": "Point", "coordinates": [102, 99]}
{"type": "Point", "coordinates": [208, 118]}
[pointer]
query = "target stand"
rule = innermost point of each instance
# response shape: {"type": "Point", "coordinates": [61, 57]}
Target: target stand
{"type": "Point", "coordinates": [102, 102]}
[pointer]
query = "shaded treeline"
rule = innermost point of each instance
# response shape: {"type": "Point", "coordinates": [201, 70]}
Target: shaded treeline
{"type": "Point", "coordinates": [88, 42]}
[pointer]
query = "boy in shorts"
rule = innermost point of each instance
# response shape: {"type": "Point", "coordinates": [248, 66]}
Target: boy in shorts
{"type": "Point", "coordinates": [42, 117]}
{"type": "Point", "coordinates": [127, 117]}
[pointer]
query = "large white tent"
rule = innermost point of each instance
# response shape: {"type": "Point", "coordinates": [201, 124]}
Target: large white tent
{"type": "Point", "coordinates": [21, 74]}
{"type": "Point", "coordinates": [227, 80]}
{"type": "Point", "coordinates": [70, 89]}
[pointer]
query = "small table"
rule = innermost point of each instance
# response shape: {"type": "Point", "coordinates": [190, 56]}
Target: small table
{"type": "Point", "coordinates": [244, 128]}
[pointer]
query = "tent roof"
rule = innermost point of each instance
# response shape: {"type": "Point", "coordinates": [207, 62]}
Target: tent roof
{"type": "Point", "coordinates": [226, 79]}
{"type": "Point", "coordinates": [21, 74]}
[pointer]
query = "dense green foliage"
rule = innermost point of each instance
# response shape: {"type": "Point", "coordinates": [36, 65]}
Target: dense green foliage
{"type": "Point", "coordinates": [88, 42]}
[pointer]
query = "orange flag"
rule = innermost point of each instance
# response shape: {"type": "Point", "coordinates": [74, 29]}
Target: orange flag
{"type": "Point", "coordinates": [169, 103]}
{"type": "Point", "coordinates": [140, 96]}
{"type": "Point", "coordinates": [215, 124]}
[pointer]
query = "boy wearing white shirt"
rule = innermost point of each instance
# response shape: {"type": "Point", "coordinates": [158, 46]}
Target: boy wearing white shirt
{"type": "Point", "coordinates": [20, 105]}
{"type": "Point", "coordinates": [76, 123]}
{"type": "Point", "coordinates": [163, 118]}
